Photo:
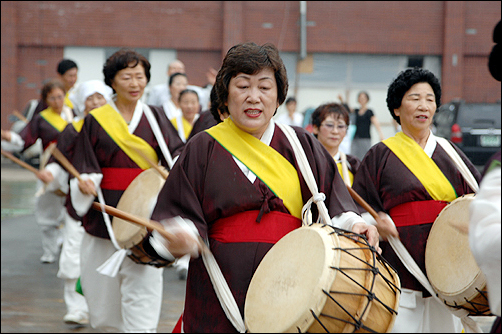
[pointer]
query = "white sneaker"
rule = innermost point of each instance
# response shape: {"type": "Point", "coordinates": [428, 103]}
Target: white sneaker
{"type": "Point", "coordinates": [48, 258]}
{"type": "Point", "coordinates": [77, 318]}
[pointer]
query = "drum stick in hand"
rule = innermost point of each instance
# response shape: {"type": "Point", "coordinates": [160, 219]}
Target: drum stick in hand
{"type": "Point", "coordinates": [153, 225]}
{"type": "Point", "coordinates": [20, 162]}
{"type": "Point", "coordinates": [67, 165]}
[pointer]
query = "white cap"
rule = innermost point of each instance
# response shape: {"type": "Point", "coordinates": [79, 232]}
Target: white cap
{"type": "Point", "coordinates": [88, 88]}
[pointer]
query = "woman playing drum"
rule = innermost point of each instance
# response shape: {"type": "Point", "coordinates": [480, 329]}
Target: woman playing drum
{"type": "Point", "coordinates": [239, 184]}
{"type": "Point", "coordinates": [412, 178]}
{"type": "Point", "coordinates": [106, 155]}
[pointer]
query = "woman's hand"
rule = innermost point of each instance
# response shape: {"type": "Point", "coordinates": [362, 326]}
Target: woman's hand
{"type": "Point", "coordinates": [184, 237]}
{"type": "Point", "coordinates": [45, 176]}
{"type": "Point", "coordinates": [6, 135]}
{"type": "Point", "coordinates": [183, 243]}
{"type": "Point", "coordinates": [371, 234]}
{"type": "Point", "coordinates": [87, 187]}
{"type": "Point", "coordinates": [385, 226]}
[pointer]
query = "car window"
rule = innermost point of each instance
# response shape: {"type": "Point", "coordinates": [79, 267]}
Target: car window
{"type": "Point", "coordinates": [477, 115]}
{"type": "Point", "coordinates": [443, 120]}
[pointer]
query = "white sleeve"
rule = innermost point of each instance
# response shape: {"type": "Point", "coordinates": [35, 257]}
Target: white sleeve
{"type": "Point", "coordinates": [485, 235]}
{"type": "Point", "coordinates": [346, 220]}
{"type": "Point", "coordinates": [60, 178]}
{"type": "Point", "coordinates": [81, 202]}
{"type": "Point", "coordinates": [16, 143]}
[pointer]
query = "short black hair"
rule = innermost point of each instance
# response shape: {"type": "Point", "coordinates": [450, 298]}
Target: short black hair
{"type": "Point", "coordinates": [250, 58]}
{"type": "Point", "coordinates": [65, 65]}
{"type": "Point", "coordinates": [186, 91]}
{"type": "Point", "coordinates": [329, 109]}
{"type": "Point", "coordinates": [122, 59]}
{"type": "Point", "coordinates": [290, 99]}
{"type": "Point", "coordinates": [403, 83]}
{"type": "Point", "coordinates": [174, 75]}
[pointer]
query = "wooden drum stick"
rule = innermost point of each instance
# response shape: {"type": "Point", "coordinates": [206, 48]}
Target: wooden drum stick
{"type": "Point", "coordinates": [20, 116]}
{"type": "Point", "coordinates": [152, 164]}
{"type": "Point", "coordinates": [20, 162]}
{"type": "Point", "coordinates": [152, 224]}
{"type": "Point", "coordinates": [67, 165]}
{"type": "Point", "coordinates": [363, 203]}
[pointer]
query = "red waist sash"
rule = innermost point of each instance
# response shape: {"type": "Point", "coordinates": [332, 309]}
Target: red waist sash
{"type": "Point", "coordinates": [416, 213]}
{"type": "Point", "coordinates": [242, 227]}
{"type": "Point", "coordinates": [118, 178]}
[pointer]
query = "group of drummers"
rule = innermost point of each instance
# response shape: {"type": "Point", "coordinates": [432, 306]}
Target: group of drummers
{"type": "Point", "coordinates": [238, 186]}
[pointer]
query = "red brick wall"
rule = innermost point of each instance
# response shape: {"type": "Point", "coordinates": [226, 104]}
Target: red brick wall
{"type": "Point", "coordinates": [34, 34]}
{"type": "Point", "coordinates": [9, 61]}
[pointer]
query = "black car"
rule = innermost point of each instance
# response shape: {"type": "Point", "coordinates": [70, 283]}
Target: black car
{"type": "Point", "coordinates": [473, 127]}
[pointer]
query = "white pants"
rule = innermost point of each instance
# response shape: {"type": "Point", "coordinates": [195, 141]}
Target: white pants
{"type": "Point", "coordinates": [424, 315]}
{"type": "Point", "coordinates": [50, 212]}
{"type": "Point", "coordinates": [69, 265]}
{"type": "Point", "coordinates": [129, 302]}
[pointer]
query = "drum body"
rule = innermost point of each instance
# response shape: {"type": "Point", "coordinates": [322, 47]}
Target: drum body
{"type": "Point", "coordinates": [319, 279]}
{"type": "Point", "coordinates": [138, 199]}
{"type": "Point", "coordinates": [450, 265]}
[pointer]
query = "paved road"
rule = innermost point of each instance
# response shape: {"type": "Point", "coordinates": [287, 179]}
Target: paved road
{"type": "Point", "coordinates": [32, 295]}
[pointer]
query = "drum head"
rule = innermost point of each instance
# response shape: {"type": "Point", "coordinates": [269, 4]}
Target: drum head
{"type": "Point", "coordinates": [451, 267]}
{"type": "Point", "coordinates": [138, 199]}
{"type": "Point", "coordinates": [289, 281]}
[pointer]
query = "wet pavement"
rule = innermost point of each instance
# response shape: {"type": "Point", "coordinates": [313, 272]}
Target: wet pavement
{"type": "Point", "coordinates": [32, 295]}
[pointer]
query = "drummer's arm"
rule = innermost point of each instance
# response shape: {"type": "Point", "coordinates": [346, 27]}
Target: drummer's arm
{"type": "Point", "coordinates": [185, 239]}
{"type": "Point", "coordinates": [385, 225]}
{"type": "Point", "coordinates": [351, 221]}
{"type": "Point", "coordinates": [81, 192]}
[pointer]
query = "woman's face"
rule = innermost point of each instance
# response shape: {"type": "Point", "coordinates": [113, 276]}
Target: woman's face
{"type": "Point", "coordinates": [129, 83]}
{"type": "Point", "coordinates": [252, 101]}
{"type": "Point", "coordinates": [189, 104]}
{"type": "Point", "coordinates": [417, 108]}
{"type": "Point", "coordinates": [178, 85]}
{"type": "Point", "coordinates": [70, 77]}
{"type": "Point", "coordinates": [331, 132]}
{"type": "Point", "coordinates": [362, 99]}
{"type": "Point", "coordinates": [94, 101]}
{"type": "Point", "coordinates": [55, 99]}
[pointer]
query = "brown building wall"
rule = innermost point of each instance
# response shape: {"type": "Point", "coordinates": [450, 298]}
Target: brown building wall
{"type": "Point", "coordinates": [34, 34]}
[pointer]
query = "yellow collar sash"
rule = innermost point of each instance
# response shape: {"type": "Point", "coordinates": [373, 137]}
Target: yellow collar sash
{"type": "Point", "coordinates": [265, 162]}
{"type": "Point", "coordinates": [67, 100]}
{"type": "Point", "coordinates": [54, 119]}
{"type": "Point", "coordinates": [116, 127]}
{"type": "Point", "coordinates": [423, 167]}
{"type": "Point", "coordinates": [350, 175]}
{"type": "Point", "coordinates": [78, 124]}
{"type": "Point", "coordinates": [187, 127]}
